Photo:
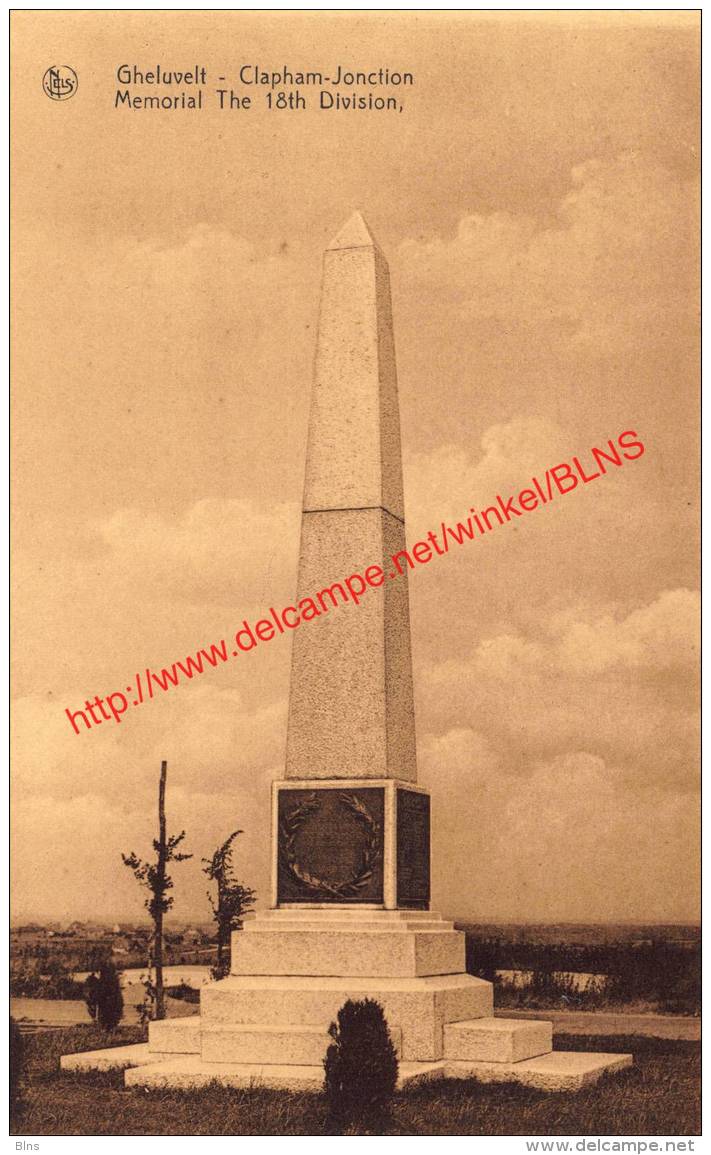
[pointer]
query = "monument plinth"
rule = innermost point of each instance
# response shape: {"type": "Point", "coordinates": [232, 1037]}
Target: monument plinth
{"type": "Point", "coordinates": [349, 915]}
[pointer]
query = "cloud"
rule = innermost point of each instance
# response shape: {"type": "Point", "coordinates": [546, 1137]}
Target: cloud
{"type": "Point", "coordinates": [213, 738]}
{"type": "Point", "coordinates": [580, 554]}
{"type": "Point", "coordinates": [81, 800]}
{"type": "Point", "coordinates": [447, 479]}
{"type": "Point", "coordinates": [143, 588]}
{"type": "Point", "coordinates": [67, 852]}
{"type": "Point", "coordinates": [216, 551]}
{"type": "Point", "coordinates": [566, 839]}
{"type": "Point", "coordinates": [656, 639]}
{"type": "Point", "coordinates": [600, 260]}
{"type": "Point", "coordinates": [620, 686]}
{"type": "Point", "coordinates": [568, 753]}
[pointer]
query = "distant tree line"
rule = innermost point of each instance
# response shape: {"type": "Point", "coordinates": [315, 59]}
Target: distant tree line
{"type": "Point", "coordinates": [662, 973]}
{"type": "Point", "coordinates": [53, 980]}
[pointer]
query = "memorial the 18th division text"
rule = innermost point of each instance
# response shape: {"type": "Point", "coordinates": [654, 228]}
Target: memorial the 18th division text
{"type": "Point", "coordinates": [349, 915]}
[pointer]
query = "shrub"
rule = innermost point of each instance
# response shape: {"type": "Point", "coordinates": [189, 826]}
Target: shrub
{"type": "Point", "coordinates": [16, 1055]}
{"type": "Point", "coordinates": [109, 1000]}
{"type": "Point", "coordinates": [360, 1065]}
{"type": "Point", "coordinates": [184, 993]}
{"type": "Point", "coordinates": [52, 981]}
{"type": "Point", "coordinates": [91, 995]}
{"type": "Point", "coordinates": [483, 957]}
{"type": "Point", "coordinates": [233, 901]}
{"type": "Point", "coordinates": [147, 1008]}
{"type": "Point", "coordinates": [664, 974]}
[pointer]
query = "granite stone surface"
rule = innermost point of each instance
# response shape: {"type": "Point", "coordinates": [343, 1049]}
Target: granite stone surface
{"type": "Point", "coordinates": [557, 1071]}
{"type": "Point", "coordinates": [258, 1043]}
{"type": "Point", "coordinates": [112, 1058]}
{"type": "Point", "coordinates": [188, 1072]}
{"type": "Point", "coordinates": [419, 1007]}
{"type": "Point", "coordinates": [351, 712]}
{"type": "Point", "coordinates": [348, 953]}
{"type": "Point", "coordinates": [175, 1036]}
{"type": "Point", "coordinates": [497, 1040]}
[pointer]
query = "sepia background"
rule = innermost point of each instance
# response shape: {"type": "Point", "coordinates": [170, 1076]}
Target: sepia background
{"type": "Point", "coordinates": [537, 203]}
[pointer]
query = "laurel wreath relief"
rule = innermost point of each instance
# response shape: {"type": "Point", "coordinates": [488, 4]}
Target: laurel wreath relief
{"type": "Point", "coordinates": [291, 824]}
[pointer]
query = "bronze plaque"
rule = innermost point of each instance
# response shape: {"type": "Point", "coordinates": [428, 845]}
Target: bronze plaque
{"type": "Point", "coordinates": [330, 845]}
{"type": "Point", "coordinates": [413, 849]}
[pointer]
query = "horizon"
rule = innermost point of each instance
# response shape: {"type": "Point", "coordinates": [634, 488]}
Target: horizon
{"type": "Point", "coordinates": [174, 920]}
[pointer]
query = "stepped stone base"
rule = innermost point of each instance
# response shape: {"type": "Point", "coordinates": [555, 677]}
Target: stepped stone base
{"type": "Point", "coordinates": [175, 1036]}
{"type": "Point", "coordinates": [497, 1040]}
{"type": "Point", "coordinates": [558, 1071]}
{"type": "Point", "coordinates": [258, 1044]}
{"type": "Point", "coordinates": [363, 943]}
{"type": "Point", "coordinates": [190, 1071]}
{"type": "Point", "coordinates": [366, 953]}
{"type": "Point", "coordinates": [418, 1007]}
{"type": "Point", "coordinates": [113, 1058]}
{"type": "Point", "coordinates": [293, 969]}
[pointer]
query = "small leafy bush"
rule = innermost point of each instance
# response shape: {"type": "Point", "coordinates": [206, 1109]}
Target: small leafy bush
{"type": "Point", "coordinates": [360, 1065]}
{"type": "Point", "coordinates": [109, 1000]}
{"type": "Point", "coordinates": [16, 1063]}
{"type": "Point", "coordinates": [184, 993]}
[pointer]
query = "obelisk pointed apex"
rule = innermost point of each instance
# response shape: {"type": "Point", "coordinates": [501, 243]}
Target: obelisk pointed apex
{"type": "Point", "coordinates": [354, 234]}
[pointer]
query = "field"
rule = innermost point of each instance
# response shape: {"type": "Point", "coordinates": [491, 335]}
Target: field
{"type": "Point", "coordinates": [659, 1096]}
{"type": "Point", "coordinates": [544, 971]}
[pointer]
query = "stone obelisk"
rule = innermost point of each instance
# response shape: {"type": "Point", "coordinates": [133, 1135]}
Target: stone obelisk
{"type": "Point", "coordinates": [349, 917]}
{"type": "Point", "coordinates": [351, 733]}
{"type": "Point", "coordinates": [351, 709]}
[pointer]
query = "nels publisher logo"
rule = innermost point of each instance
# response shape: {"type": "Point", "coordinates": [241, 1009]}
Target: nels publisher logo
{"type": "Point", "coordinates": [60, 82]}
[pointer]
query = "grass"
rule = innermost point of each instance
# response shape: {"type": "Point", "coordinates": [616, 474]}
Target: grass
{"type": "Point", "coordinates": [561, 996]}
{"type": "Point", "coordinates": [658, 1096]}
{"type": "Point", "coordinates": [42, 1052]}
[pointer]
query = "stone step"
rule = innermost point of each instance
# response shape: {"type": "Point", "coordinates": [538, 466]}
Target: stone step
{"type": "Point", "coordinates": [188, 1072]}
{"type": "Point", "coordinates": [175, 1036]}
{"type": "Point", "coordinates": [346, 913]}
{"type": "Point", "coordinates": [419, 1006]}
{"type": "Point", "coordinates": [112, 1058]}
{"type": "Point", "coordinates": [557, 1071]}
{"type": "Point", "coordinates": [497, 1040]}
{"type": "Point", "coordinates": [270, 1045]}
{"type": "Point", "coordinates": [374, 954]}
{"type": "Point", "coordinates": [344, 926]}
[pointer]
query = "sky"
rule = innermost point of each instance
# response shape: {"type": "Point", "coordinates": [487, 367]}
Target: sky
{"type": "Point", "coordinates": [537, 203]}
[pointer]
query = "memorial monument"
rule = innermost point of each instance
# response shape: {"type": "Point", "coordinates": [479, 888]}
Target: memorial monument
{"type": "Point", "coordinates": [349, 915]}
